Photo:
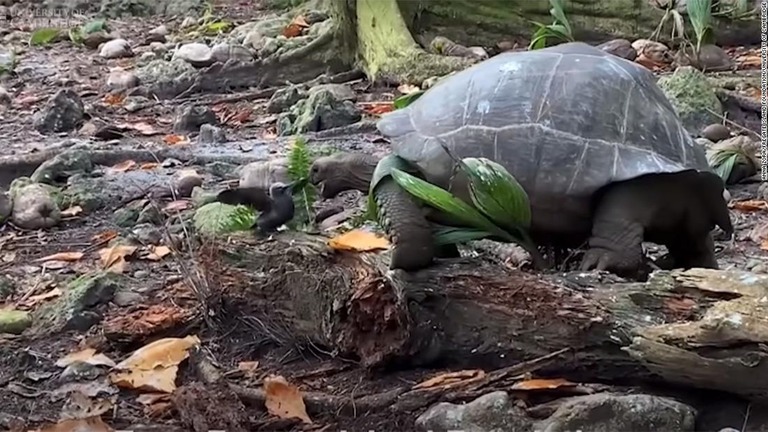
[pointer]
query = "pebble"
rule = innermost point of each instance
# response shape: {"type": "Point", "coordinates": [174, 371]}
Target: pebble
{"type": "Point", "coordinates": [716, 132]}
{"type": "Point", "coordinates": [158, 48]}
{"type": "Point", "coordinates": [120, 79]}
{"type": "Point", "coordinates": [197, 54]}
{"type": "Point", "coordinates": [189, 22]}
{"type": "Point", "coordinates": [116, 48]}
{"type": "Point", "coordinates": [652, 50]}
{"type": "Point", "coordinates": [160, 30]}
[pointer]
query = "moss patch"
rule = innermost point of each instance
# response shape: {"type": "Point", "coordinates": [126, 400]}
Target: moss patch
{"type": "Point", "coordinates": [693, 97]}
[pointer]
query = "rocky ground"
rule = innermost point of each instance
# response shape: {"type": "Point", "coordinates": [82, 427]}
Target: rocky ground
{"type": "Point", "coordinates": [106, 293]}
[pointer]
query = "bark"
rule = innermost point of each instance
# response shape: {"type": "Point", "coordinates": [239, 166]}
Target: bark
{"type": "Point", "coordinates": [383, 45]}
{"type": "Point", "coordinates": [698, 328]}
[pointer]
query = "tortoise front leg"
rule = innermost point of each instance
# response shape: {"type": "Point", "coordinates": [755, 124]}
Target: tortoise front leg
{"type": "Point", "coordinates": [409, 231]}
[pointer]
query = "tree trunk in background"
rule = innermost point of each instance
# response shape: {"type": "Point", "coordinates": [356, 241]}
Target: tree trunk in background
{"type": "Point", "coordinates": [382, 35]}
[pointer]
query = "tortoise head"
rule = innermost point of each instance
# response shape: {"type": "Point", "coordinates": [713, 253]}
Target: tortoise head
{"type": "Point", "coordinates": [341, 172]}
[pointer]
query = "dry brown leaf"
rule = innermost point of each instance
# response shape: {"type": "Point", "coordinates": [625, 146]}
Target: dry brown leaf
{"type": "Point", "coordinates": [156, 253]}
{"type": "Point", "coordinates": [92, 424]}
{"type": "Point", "coordinates": [35, 299]}
{"type": "Point", "coordinates": [148, 165]}
{"type": "Point", "coordinates": [749, 205]}
{"type": "Point", "coordinates": [154, 366]}
{"type": "Point", "coordinates": [296, 27]}
{"type": "Point", "coordinates": [649, 63]}
{"type": "Point", "coordinates": [56, 265]}
{"type": "Point", "coordinates": [113, 258]}
{"type": "Point", "coordinates": [452, 379]}
{"type": "Point", "coordinates": [408, 88]}
{"type": "Point", "coordinates": [72, 211]}
{"type": "Point", "coordinates": [155, 404]}
{"type": "Point", "coordinates": [358, 241]}
{"type": "Point", "coordinates": [376, 108]}
{"type": "Point", "coordinates": [143, 128]}
{"type": "Point", "coordinates": [177, 205]}
{"type": "Point", "coordinates": [88, 356]}
{"type": "Point", "coordinates": [542, 384]}
{"type": "Point", "coordinates": [104, 237]}
{"type": "Point", "coordinates": [123, 166]}
{"type": "Point", "coordinates": [248, 367]}
{"type": "Point", "coordinates": [114, 99]}
{"type": "Point", "coordinates": [284, 400]}
{"type": "Point", "coordinates": [62, 256]}
{"type": "Point", "coordinates": [175, 139]}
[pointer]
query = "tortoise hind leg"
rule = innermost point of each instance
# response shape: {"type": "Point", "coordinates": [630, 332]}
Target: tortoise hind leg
{"type": "Point", "coordinates": [409, 231]}
{"type": "Point", "coordinates": [689, 252]}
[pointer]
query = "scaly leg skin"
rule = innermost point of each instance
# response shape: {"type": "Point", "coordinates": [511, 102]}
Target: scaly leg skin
{"type": "Point", "coordinates": [409, 231]}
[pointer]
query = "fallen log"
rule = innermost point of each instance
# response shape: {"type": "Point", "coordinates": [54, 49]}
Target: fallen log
{"type": "Point", "coordinates": [697, 328]}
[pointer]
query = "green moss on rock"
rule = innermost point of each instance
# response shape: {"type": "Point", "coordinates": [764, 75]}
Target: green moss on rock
{"type": "Point", "coordinates": [14, 321]}
{"type": "Point", "coordinates": [693, 97]}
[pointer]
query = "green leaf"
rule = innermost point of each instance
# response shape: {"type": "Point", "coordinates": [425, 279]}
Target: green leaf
{"type": "Point", "coordinates": [43, 36]}
{"type": "Point", "coordinates": [558, 13]}
{"type": "Point", "coordinates": [217, 27]}
{"type": "Point", "coordinates": [497, 194]}
{"type": "Point", "coordinates": [217, 218]}
{"type": "Point", "coordinates": [76, 35]}
{"type": "Point", "coordinates": [405, 100]}
{"type": "Point", "coordinates": [443, 200]}
{"type": "Point", "coordinates": [94, 26]}
{"type": "Point", "coordinates": [700, 15]}
{"type": "Point", "coordinates": [299, 163]}
{"type": "Point", "coordinates": [445, 235]}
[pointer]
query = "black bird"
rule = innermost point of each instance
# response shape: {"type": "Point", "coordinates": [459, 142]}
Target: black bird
{"type": "Point", "coordinates": [275, 207]}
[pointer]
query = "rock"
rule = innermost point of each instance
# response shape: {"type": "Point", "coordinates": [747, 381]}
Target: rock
{"type": "Point", "coordinates": [620, 48]}
{"type": "Point", "coordinates": [147, 234]}
{"type": "Point", "coordinates": [224, 52]}
{"type": "Point", "coordinates": [147, 57]}
{"type": "Point", "coordinates": [116, 48]}
{"type": "Point", "coordinates": [184, 181]}
{"type": "Point", "coordinates": [711, 58]}
{"type": "Point", "coordinates": [605, 412]}
{"type": "Point", "coordinates": [62, 166]}
{"type": "Point", "coordinates": [189, 118]}
{"type": "Point", "coordinates": [158, 48]}
{"type": "Point", "coordinates": [34, 207]}
{"type": "Point", "coordinates": [14, 321]}
{"type": "Point", "coordinates": [285, 98]}
{"type": "Point", "coordinates": [95, 39]}
{"type": "Point", "coordinates": [262, 174]}
{"type": "Point", "coordinates": [210, 134]}
{"type": "Point", "coordinates": [188, 22]}
{"type": "Point", "coordinates": [128, 216]}
{"type": "Point", "coordinates": [197, 54]}
{"type": "Point", "coordinates": [7, 59]}
{"type": "Point", "coordinates": [762, 192]}
{"type": "Point", "coordinates": [161, 30]}
{"type": "Point", "coordinates": [62, 113]}
{"type": "Point", "coordinates": [654, 51]}
{"type": "Point", "coordinates": [315, 16]}
{"type": "Point", "coordinates": [5, 97]}
{"type": "Point", "coordinates": [327, 106]}
{"type": "Point", "coordinates": [488, 413]}
{"type": "Point", "coordinates": [77, 308]}
{"type": "Point", "coordinates": [120, 79]}
{"type": "Point", "coordinates": [164, 71]}
{"type": "Point", "coordinates": [444, 46]}
{"type": "Point", "coordinates": [6, 206]}
{"type": "Point", "coordinates": [716, 132]}
{"type": "Point", "coordinates": [693, 97]}
{"type": "Point", "coordinates": [747, 162]}
{"type": "Point", "coordinates": [7, 288]}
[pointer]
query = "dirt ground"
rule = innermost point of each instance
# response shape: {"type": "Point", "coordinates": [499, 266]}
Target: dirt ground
{"type": "Point", "coordinates": [169, 301]}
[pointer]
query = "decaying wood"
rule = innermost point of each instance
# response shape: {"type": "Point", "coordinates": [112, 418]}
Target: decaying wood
{"type": "Point", "coordinates": [700, 328]}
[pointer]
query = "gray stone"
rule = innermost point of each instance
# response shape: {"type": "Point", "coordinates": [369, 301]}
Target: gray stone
{"type": "Point", "coordinates": [285, 98]}
{"type": "Point", "coordinates": [116, 48]}
{"type": "Point", "coordinates": [327, 106]}
{"type": "Point", "coordinates": [62, 113]}
{"type": "Point", "coordinates": [210, 134]}
{"type": "Point", "coordinates": [197, 54]}
{"type": "Point", "coordinates": [189, 118]}
{"type": "Point", "coordinates": [693, 97]}
{"type": "Point", "coordinates": [120, 79]}
{"type": "Point", "coordinates": [492, 412]}
{"type": "Point", "coordinates": [14, 321]}
{"type": "Point", "coordinates": [606, 412]}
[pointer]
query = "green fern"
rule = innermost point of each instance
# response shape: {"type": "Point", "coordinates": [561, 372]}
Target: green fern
{"type": "Point", "coordinates": [299, 162]}
{"type": "Point", "coordinates": [217, 218]}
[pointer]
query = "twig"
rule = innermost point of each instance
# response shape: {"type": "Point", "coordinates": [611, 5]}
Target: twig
{"type": "Point", "coordinates": [732, 123]}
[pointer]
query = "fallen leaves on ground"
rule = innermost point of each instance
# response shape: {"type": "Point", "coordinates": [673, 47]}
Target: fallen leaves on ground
{"type": "Point", "coordinates": [154, 366]}
{"type": "Point", "coordinates": [143, 128]}
{"type": "Point", "coordinates": [408, 88]}
{"type": "Point", "coordinates": [148, 165]}
{"type": "Point", "coordinates": [358, 241]}
{"type": "Point", "coordinates": [452, 379]}
{"type": "Point", "coordinates": [542, 384]}
{"type": "Point", "coordinates": [104, 237]}
{"type": "Point", "coordinates": [376, 108]}
{"type": "Point", "coordinates": [156, 253]}
{"type": "Point", "coordinates": [155, 404]}
{"type": "Point", "coordinates": [296, 27]}
{"type": "Point", "coordinates": [122, 166]}
{"type": "Point", "coordinates": [71, 211]}
{"type": "Point", "coordinates": [174, 139]}
{"type": "Point", "coordinates": [62, 256]}
{"type": "Point", "coordinates": [146, 321]}
{"type": "Point", "coordinates": [114, 99]}
{"type": "Point", "coordinates": [284, 400]}
{"type": "Point", "coordinates": [93, 424]}
{"type": "Point", "coordinates": [749, 205]}
{"type": "Point", "coordinates": [88, 355]}
{"type": "Point", "coordinates": [35, 299]}
{"type": "Point", "coordinates": [113, 258]}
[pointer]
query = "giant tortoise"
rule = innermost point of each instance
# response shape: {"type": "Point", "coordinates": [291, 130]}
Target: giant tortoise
{"type": "Point", "coordinates": [591, 138]}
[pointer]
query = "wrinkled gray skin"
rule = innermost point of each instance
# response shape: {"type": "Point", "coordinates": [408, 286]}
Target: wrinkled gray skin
{"type": "Point", "coordinates": [592, 139]}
